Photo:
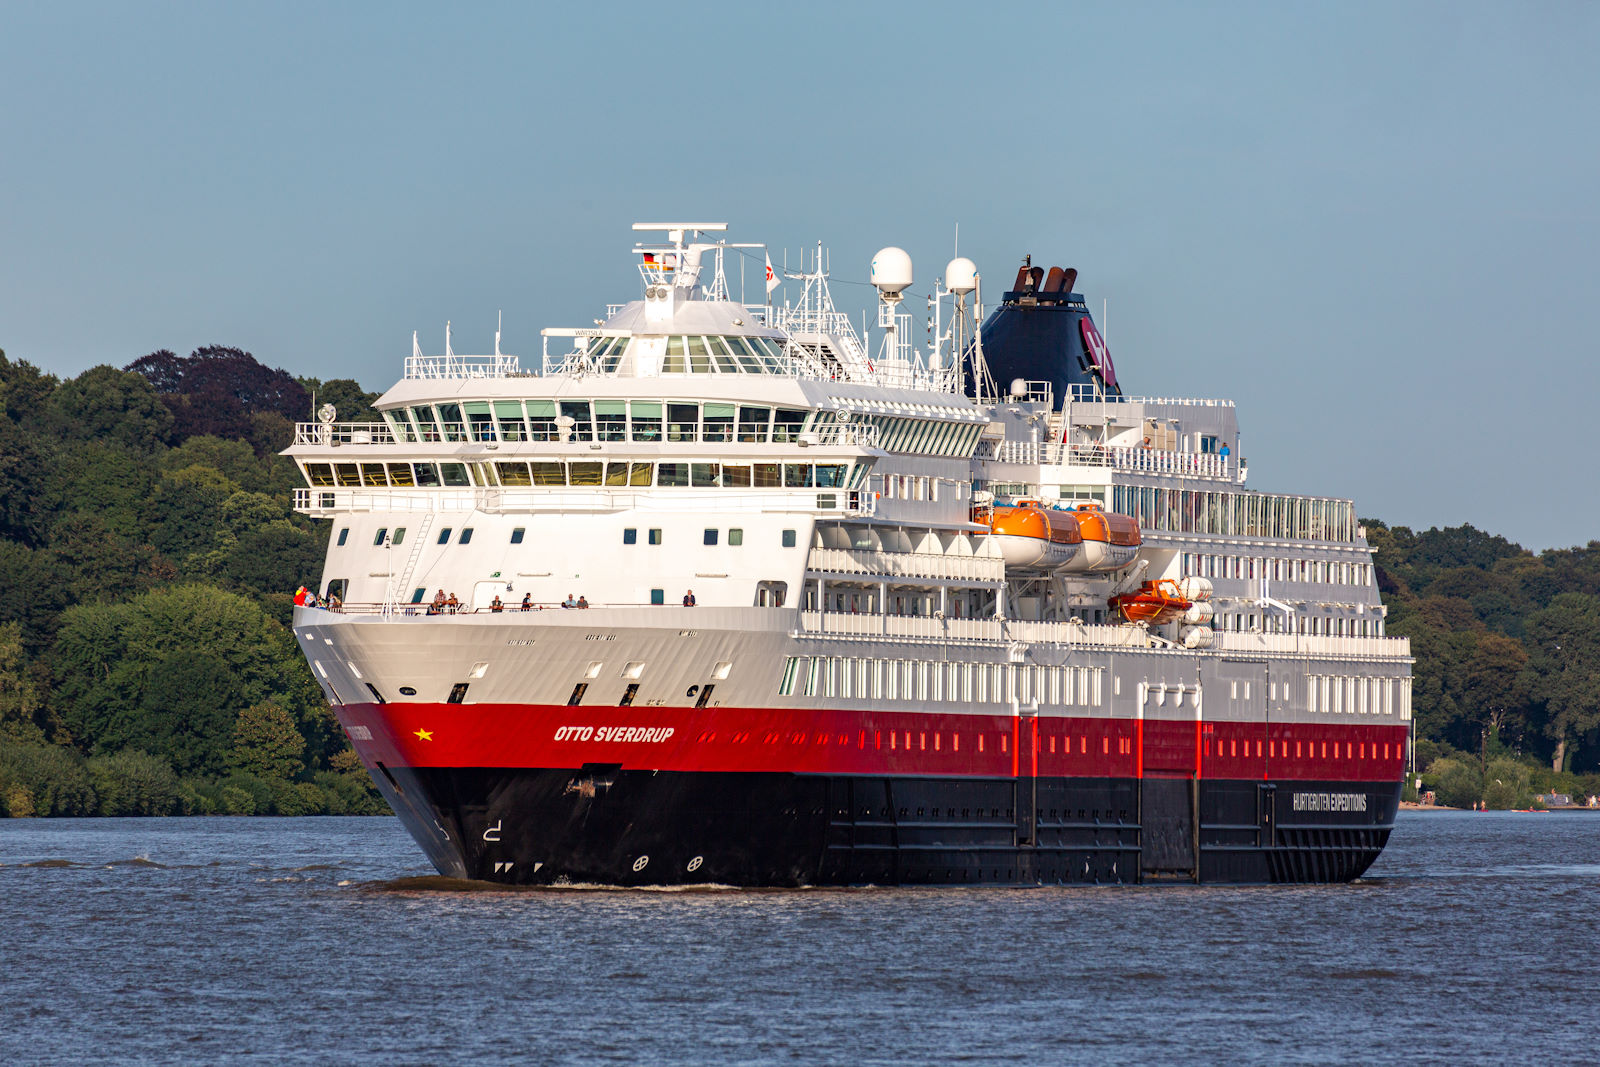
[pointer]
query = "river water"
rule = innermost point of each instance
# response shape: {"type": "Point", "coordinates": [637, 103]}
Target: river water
{"type": "Point", "coordinates": [1475, 938]}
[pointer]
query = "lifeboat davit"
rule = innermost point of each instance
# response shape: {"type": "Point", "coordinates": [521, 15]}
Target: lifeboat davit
{"type": "Point", "coordinates": [1155, 603]}
{"type": "Point", "coordinates": [1110, 540]}
{"type": "Point", "coordinates": [1032, 537]}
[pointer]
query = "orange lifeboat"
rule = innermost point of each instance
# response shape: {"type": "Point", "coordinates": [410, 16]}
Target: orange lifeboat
{"type": "Point", "coordinates": [1155, 603]}
{"type": "Point", "coordinates": [1031, 536]}
{"type": "Point", "coordinates": [1110, 540]}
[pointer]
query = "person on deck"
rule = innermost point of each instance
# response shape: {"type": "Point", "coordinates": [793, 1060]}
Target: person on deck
{"type": "Point", "coordinates": [495, 605]}
{"type": "Point", "coordinates": [688, 599]}
{"type": "Point", "coordinates": [583, 601]}
{"type": "Point", "coordinates": [451, 604]}
{"type": "Point", "coordinates": [527, 601]}
{"type": "Point", "coordinates": [569, 602]}
{"type": "Point", "coordinates": [300, 597]}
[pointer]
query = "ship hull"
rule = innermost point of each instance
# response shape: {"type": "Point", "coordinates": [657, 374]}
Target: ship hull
{"type": "Point", "coordinates": [603, 825]}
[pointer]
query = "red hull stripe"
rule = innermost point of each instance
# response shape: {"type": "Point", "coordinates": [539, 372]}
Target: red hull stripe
{"type": "Point", "coordinates": [844, 742]}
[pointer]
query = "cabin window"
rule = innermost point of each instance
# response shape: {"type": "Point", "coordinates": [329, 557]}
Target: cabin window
{"type": "Point", "coordinates": [582, 423]}
{"type": "Point", "coordinates": [513, 474]}
{"type": "Point", "coordinates": [451, 423]}
{"type": "Point", "coordinates": [658, 596]}
{"type": "Point", "coordinates": [383, 531]}
{"type": "Point", "coordinates": [655, 537]}
{"type": "Point", "coordinates": [786, 425]}
{"type": "Point", "coordinates": [344, 535]}
{"type": "Point", "coordinates": [508, 413]}
{"type": "Point", "coordinates": [611, 420]}
{"type": "Point", "coordinates": [718, 423]}
{"type": "Point", "coordinates": [630, 536]}
{"type": "Point", "coordinates": [710, 537]}
{"type": "Point", "coordinates": [466, 536]}
{"type": "Point", "coordinates": [549, 473]}
{"type": "Point", "coordinates": [542, 420]}
{"type": "Point", "coordinates": [517, 534]}
{"type": "Point", "coordinates": [753, 424]}
{"type": "Point", "coordinates": [683, 422]}
{"type": "Point", "coordinates": [645, 416]}
{"type": "Point", "coordinates": [735, 537]}
{"type": "Point", "coordinates": [444, 536]}
{"type": "Point", "coordinates": [399, 536]}
{"type": "Point", "coordinates": [788, 539]}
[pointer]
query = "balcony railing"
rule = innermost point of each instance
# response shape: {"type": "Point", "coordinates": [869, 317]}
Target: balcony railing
{"type": "Point", "coordinates": [1145, 460]}
{"type": "Point", "coordinates": [907, 565]}
{"type": "Point", "coordinates": [996, 631]}
{"type": "Point", "coordinates": [326, 501]}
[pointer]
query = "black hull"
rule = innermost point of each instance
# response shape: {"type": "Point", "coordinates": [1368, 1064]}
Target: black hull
{"type": "Point", "coordinates": [606, 826]}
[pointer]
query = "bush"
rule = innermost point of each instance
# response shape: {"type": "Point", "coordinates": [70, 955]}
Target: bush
{"type": "Point", "coordinates": [134, 783]}
{"type": "Point", "coordinates": [231, 800]}
{"type": "Point", "coordinates": [259, 792]}
{"type": "Point", "coordinates": [1455, 784]}
{"type": "Point", "coordinates": [350, 794]}
{"type": "Point", "coordinates": [44, 780]}
{"type": "Point", "coordinates": [1507, 785]}
{"type": "Point", "coordinates": [298, 798]}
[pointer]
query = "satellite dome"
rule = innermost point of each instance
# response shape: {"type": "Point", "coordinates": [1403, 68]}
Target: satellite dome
{"type": "Point", "coordinates": [961, 275]}
{"type": "Point", "coordinates": [891, 270]}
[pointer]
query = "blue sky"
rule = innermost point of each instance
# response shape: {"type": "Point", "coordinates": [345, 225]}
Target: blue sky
{"type": "Point", "coordinates": [1374, 226]}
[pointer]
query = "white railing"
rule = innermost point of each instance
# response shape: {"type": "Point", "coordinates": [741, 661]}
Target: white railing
{"type": "Point", "coordinates": [1091, 394]}
{"type": "Point", "coordinates": [343, 433]}
{"type": "Point", "coordinates": [1313, 644]}
{"type": "Point", "coordinates": [338, 500]}
{"type": "Point", "coordinates": [996, 631]}
{"type": "Point", "coordinates": [443, 367]}
{"type": "Point", "coordinates": [907, 564]}
{"type": "Point", "coordinates": [1146, 460]}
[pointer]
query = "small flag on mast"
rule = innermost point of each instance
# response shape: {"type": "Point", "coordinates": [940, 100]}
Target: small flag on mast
{"type": "Point", "coordinates": [772, 279]}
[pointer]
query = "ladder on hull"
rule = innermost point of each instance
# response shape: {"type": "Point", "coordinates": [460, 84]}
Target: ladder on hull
{"type": "Point", "coordinates": [402, 581]}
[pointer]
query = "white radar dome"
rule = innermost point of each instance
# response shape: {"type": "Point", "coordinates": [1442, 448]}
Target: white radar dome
{"type": "Point", "coordinates": [891, 270]}
{"type": "Point", "coordinates": [961, 275]}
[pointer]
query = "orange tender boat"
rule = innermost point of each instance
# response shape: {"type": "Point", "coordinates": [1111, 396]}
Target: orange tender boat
{"type": "Point", "coordinates": [1031, 536]}
{"type": "Point", "coordinates": [1077, 541]}
{"type": "Point", "coordinates": [1110, 540]}
{"type": "Point", "coordinates": [1155, 603]}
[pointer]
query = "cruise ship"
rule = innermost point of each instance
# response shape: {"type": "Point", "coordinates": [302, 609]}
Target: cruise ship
{"type": "Point", "coordinates": [728, 592]}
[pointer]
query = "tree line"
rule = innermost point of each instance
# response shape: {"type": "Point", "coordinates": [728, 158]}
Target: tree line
{"type": "Point", "coordinates": [148, 557]}
{"type": "Point", "coordinates": [149, 553]}
{"type": "Point", "coordinates": [1506, 686]}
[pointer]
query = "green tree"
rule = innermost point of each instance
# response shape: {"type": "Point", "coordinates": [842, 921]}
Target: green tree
{"type": "Point", "coordinates": [173, 667]}
{"type": "Point", "coordinates": [106, 404]}
{"type": "Point", "coordinates": [1563, 671]}
{"type": "Point", "coordinates": [24, 516]}
{"type": "Point", "coordinates": [266, 743]}
{"type": "Point", "coordinates": [21, 696]}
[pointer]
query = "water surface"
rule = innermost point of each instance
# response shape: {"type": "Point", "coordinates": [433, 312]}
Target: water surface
{"type": "Point", "coordinates": [1474, 938]}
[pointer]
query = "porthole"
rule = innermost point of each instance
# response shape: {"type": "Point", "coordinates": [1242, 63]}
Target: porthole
{"type": "Point", "coordinates": [408, 690]}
